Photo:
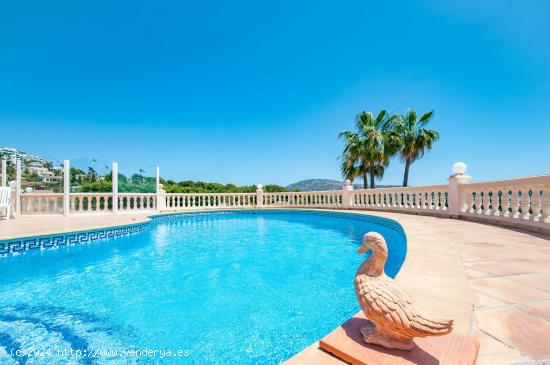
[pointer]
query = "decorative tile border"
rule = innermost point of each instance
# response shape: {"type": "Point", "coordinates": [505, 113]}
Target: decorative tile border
{"type": "Point", "coordinates": [21, 245]}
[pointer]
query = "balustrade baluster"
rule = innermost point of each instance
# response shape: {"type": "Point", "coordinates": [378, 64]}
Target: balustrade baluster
{"type": "Point", "coordinates": [506, 204]}
{"type": "Point", "coordinates": [535, 204]}
{"type": "Point", "coordinates": [432, 200]}
{"type": "Point", "coordinates": [525, 204]}
{"type": "Point", "coordinates": [482, 202]}
{"type": "Point", "coordinates": [425, 200]}
{"type": "Point", "coordinates": [515, 204]}
{"type": "Point", "coordinates": [472, 199]}
{"type": "Point", "coordinates": [490, 201]}
{"type": "Point", "coordinates": [497, 202]}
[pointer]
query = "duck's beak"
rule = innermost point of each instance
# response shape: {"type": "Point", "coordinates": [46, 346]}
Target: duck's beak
{"type": "Point", "coordinates": [362, 249]}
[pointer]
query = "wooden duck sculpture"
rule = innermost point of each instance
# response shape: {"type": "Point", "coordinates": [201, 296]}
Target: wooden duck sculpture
{"type": "Point", "coordinates": [396, 319]}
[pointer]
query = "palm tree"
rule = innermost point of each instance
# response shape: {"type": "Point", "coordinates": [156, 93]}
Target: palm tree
{"type": "Point", "coordinates": [367, 151]}
{"type": "Point", "coordinates": [413, 137]}
{"type": "Point", "coordinates": [353, 163]}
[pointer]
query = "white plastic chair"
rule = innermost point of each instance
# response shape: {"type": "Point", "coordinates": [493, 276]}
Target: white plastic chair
{"type": "Point", "coordinates": [5, 201]}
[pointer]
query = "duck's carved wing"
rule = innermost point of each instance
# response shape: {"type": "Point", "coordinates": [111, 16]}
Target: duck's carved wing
{"type": "Point", "coordinates": [392, 305]}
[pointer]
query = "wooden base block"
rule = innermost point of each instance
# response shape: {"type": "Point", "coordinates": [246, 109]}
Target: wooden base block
{"type": "Point", "coordinates": [346, 343]}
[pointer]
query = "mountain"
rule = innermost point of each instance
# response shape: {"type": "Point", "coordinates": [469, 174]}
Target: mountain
{"type": "Point", "coordinates": [316, 185]}
{"type": "Point", "coordinates": [326, 184]}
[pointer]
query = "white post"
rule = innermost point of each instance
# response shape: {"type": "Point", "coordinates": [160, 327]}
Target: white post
{"type": "Point", "coordinates": [161, 194]}
{"type": "Point", "coordinates": [18, 188]}
{"type": "Point", "coordinates": [347, 195]}
{"type": "Point", "coordinates": [457, 199]}
{"type": "Point", "coordinates": [4, 174]}
{"type": "Point", "coordinates": [114, 178]}
{"type": "Point", "coordinates": [259, 195]}
{"type": "Point", "coordinates": [158, 178]}
{"type": "Point", "coordinates": [66, 188]}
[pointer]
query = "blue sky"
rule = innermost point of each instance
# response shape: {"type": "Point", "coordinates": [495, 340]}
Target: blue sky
{"type": "Point", "coordinates": [256, 91]}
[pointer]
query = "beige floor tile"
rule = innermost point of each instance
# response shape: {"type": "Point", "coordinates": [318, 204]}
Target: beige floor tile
{"type": "Point", "coordinates": [539, 281]}
{"type": "Point", "coordinates": [508, 290]}
{"type": "Point", "coordinates": [484, 300]}
{"type": "Point", "coordinates": [502, 359]}
{"type": "Point", "coordinates": [500, 268]}
{"type": "Point", "coordinates": [539, 309]}
{"type": "Point", "coordinates": [517, 329]}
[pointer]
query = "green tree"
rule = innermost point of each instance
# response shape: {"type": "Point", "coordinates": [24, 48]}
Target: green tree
{"type": "Point", "coordinates": [368, 150]}
{"type": "Point", "coordinates": [413, 138]}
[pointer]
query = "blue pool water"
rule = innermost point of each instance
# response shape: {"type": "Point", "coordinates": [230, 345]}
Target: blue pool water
{"type": "Point", "coordinates": [251, 288]}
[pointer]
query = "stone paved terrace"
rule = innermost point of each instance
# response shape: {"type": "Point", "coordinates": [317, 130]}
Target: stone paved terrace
{"type": "Point", "coordinates": [494, 281]}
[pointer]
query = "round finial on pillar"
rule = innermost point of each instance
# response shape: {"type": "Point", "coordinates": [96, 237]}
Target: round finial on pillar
{"type": "Point", "coordinates": [259, 186]}
{"type": "Point", "coordinates": [347, 182]}
{"type": "Point", "coordinates": [459, 168]}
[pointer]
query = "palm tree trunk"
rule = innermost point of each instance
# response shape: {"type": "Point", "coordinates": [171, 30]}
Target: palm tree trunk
{"type": "Point", "coordinates": [372, 185]}
{"type": "Point", "coordinates": [365, 182]}
{"type": "Point", "coordinates": [406, 175]}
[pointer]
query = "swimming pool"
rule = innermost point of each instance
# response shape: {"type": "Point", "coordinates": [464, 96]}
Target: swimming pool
{"type": "Point", "coordinates": [246, 287]}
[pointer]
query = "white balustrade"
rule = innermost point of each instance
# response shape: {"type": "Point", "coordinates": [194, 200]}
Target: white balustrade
{"type": "Point", "coordinates": [177, 201]}
{"type": "Point", "coordinates": [41, 203]}
{"type": "Point", "coordinates": [37, 203]}
{"type": "Point", "coordinates": [90, 202]}
{"type": "Point", "coordinates": [137, 201]}
{"type": "Point", "coordinates": [312, 199]}
{"type": "Point", "coordinates": [432, 198]}
{"type": "Point", "coordinates": [522, 201]}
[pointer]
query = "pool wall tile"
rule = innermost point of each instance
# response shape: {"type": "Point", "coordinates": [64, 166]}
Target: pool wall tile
{"type": "Point", "coordinates": [21, 245]}
{"type": "Point", "coordinates": [389, 223]}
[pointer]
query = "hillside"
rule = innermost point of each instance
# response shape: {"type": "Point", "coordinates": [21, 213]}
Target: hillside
{"type": "Point", "coordinates": [326, 184]}
{"type": "Point", "coordinates": [316, 185]}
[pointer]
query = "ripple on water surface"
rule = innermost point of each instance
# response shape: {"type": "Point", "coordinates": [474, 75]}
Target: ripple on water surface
{"type": "Point", "coordinates": [240, 288]}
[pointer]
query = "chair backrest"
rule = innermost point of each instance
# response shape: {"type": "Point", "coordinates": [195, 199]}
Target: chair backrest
{"type": "Point", "coordinates": [5, 197]}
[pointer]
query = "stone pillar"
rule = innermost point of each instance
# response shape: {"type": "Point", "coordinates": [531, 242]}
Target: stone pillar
{"type": "Point", "coordinates": [347, 195]}
{"type": "Point", "coordinates": [114, 178]}
{"type": "Point", "coordinates": [457, 198]}
{"type": "Point", "coordinates": [67, 188]}
{"type": "Point", "coordinates": [259, 196]}
{"type": "Point", "coordinates": [161, 198]}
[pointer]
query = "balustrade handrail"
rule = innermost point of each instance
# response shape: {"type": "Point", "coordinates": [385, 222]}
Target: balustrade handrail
{"type": "Point", "coordinates": [405, 188]}
{"type": "Point", "coordinates": [210, 194]}
{"type": "Point", "coordinates": [305, 192]}
{"type": "Point", "coordinates": [136, 194]}
{"type": "Point", "coordinates": [90, 194]}
{"type": "Point", "coordinates": [522, 181]}
{"type": "Point", "coordinates": [41, 194]}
